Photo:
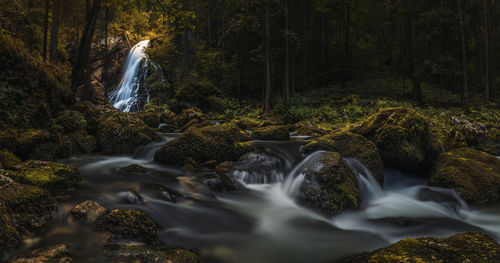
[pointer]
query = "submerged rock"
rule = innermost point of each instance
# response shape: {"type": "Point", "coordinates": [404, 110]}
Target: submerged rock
{"type": "Point", "coordinates": [351, 145]}
{"type": "Point", "coordinates": [467, 247]}
{"type": "Point", "coordinates": [127, 253]}
{"type": "Point", "coordinates": [56, 177]}
{"type": "Point", "coordinates": [133, 169]}
{"type": "Point", "coordinates": [129, 224]}
{"type": "Point", "coordinates": [278, 133]}
{"type": "Point", "coordinates": [52, 254]}
{"type": "Point", "coordinates": [329, 185]}
{"type": "Point", "coordinates": [403, 138]}
{"type": "Point", "coordinates": [88, 211]}
{"type": "Point", "coordinates": [474, 174]}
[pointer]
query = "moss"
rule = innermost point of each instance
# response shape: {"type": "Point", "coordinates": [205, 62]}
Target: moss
{"type": "Point", "coordinates": [310, 129]}
{"type": "Point", "coordinates": [188, 115]}
{"type": "Point", "coordinates": [71, 121]}
{"type": "Point", "coordinates": [129, 224]}
{"type": "Point", "coordinates": [55, 177]}
{"type": "Point", "coordinates": [216, 142]}
{"type": "Point", "coordinates": [329, 185]}
{"type": "Point", "coordinates": [146, 254]}
{"type": "Point", "coordinates": [474, 174]}
{"type": "Point", "coordinates": [279, 133]}
{"type": "Point", "coordinates": [351, 145]}
{"type": "Point", "coordinates": [27, 143]}
{"type": "Point", "coordinates": [467, 247]}
{"type": "Point", "coordinates": [31, 207]}
{"type": "Point", "coordinates": [8, 160]}
{"type": "Point", "coordinates": [403, 138]}
{"type": "Point", "coordinates": [57, 253]}
{"type": "Point", "coordinates": [246, 123]}
{"type": "Point", "coordinates": [9, 236]}
{"type": "Point", "coordinates": [133, 169]}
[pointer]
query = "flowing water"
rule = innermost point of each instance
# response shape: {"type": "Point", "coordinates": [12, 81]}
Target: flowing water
{"type": "Point", "coordinates": [261, 221]}
{"type": "Point", "coordinates": [131, 94]}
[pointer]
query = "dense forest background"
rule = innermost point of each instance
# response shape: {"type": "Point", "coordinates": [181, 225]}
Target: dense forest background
{"type": "Point", "coordinates": [217, 52]}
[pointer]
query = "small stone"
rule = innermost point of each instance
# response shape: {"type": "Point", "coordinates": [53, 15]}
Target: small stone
{"type": "Point", "coordinates": [5, 177]}
{"type": "Point", "coordinates": [89, 211]}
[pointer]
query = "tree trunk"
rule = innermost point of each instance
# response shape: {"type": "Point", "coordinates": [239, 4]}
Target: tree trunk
{"type": "Point", "coordinates": [287, 60]}
{"type": "Point", "coordinates": [46, 30]}
{"type": "Point", "coordinates": [493, 93]}
{"type": "Point", "coordinates": [81, 69]}
{"type": "Point", "coordinates": [186, 43]}
{"type": "Point", "coordinates": [267, 103]}
{"type": "Point", "coordinates": [486, 51]}
{"type": "Point", "coordinates": [465, 88]}
{"type": "Point", "coordinates": [54, 31]}
{"type": "Point", "coordinates": [417, 88]}
{"type": "Point", "coordinates": [105, 67]}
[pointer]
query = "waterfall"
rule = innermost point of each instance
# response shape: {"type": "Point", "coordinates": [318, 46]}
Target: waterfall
{"type": "Point", "coordinates": [131, 95]}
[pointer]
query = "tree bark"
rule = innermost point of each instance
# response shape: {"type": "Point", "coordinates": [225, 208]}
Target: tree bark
{"type": "Point", "coordinates": [54, 31]}
{"type": "Point", "coordinates": [486, 51]}
{"type": "Point", "coordinates": [287, 59]}
{"type": "Point", "coordinates": [267, 103]}
{"type": "Point", "coordinates": [465, 85]}
{"type": "Point", "coordinates": [105, 67]}
{"type": "Point", "coordinates": [417, 88]}
{"type": "Point", "coordinates": [46, 30]}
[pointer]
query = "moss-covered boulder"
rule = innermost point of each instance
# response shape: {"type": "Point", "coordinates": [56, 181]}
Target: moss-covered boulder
{"type": "Point", "coordinates": [31, 207]}
{"type": "Point", "coordinates": [474, 174]}
{"type": "Point", "coordinates": [129, 224]}
{"type": "Point", "coordinates": [245, 123]}
{"type": "Point", "coordinates": [127, 253]}
{"type": "Point", "coordinates": [329, 185]}
{"type": "Point", "coordinates": [58, 178]}
{"type": "Point", "coordinates": [309, 129]}
{"type": "Point", "coordinates": [466, 247]}
{"type": "Point", "coordinates": [53, 254]}
{"type": "Point", "coordinates": [278, 133]}
{"type": "Point", "coordinates": [134, 169]}
{"type": "Point", "coordinates": [403, 138]}
{"type": "Point", "coordinates": [216, 142]}
{"type": "Point", "coordinates": [31, 143]}
{"type": "Point", "coordinates": [351, 145]}
{"type": "Point", "coordinates": [189, 115]}
{"type": "Point", "coordinates": [8, 160]}
{"type": "Point", "coordinates": [122, 133]}
{"type": "Point", "coordinates": [9, 236]}
{"type": "Point", "coordinates": [69, 121]}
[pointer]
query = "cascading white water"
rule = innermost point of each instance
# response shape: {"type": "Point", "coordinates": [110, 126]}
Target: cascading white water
{"type": "Point", "coordinates": [131, 94]}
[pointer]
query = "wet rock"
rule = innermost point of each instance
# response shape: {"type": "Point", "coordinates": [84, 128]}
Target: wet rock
{"type": "Point", "coordinates": [246, 123]}
{"type": "Point", "coordinates": [218, 180]}
{"type": "Point", "coordinates": [9, 236]}
{"type": "Point", "coordinates": [167, 128]}
{"type": "Point", "coordinates": [217, 142]}
{"type": "Point", "coordinates": [473, 133]}
{"type": "Point", "coordinates": [467, 247]}
{"type": "Point", "coordinates": [310, 129]}
{"type": "Point", "coordinates": [133, 169]}
{"type": "Point", "coordinates": [8, 160]}
{"type": "Point", "coordinates": [129, 224]}
{"type": "Point", "coordinates": [351, 145]}
{"type": "Point", "coordinates": [473, 174]}
{"type": "Point", "coordinates": [329, 185]}
{"type": "Point", "coordinates": [31, 207]}
{"type": "Point", "coordinates": [70, 121]}
{"type": "Point", "coordinates": [403, 138]}
{"type": "Point", "coordinates": [58, 178]}
{"type": "Point", "coordinates": [27, 144]}
{"type": "Point", "coordinates": [278, 133]}
{"type": "Point", "coordinates": [88, 211]}
{"type": "Point", "coordinates": [428, 194]}
{"type": "Point", "coordinates": [189, 115]}
{"type": "Point", "coordinates": [128, 253]}
{"type": "Point", "coordinates": [52, 254]}
{"type": "Point", "coordinates": [5, 177]}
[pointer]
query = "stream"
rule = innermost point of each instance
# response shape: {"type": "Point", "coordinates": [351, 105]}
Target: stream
{"type": "Point", "coordinates": [261, 222]}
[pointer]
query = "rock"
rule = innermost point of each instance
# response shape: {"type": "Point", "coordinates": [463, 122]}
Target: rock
{"type": "Point", "coordinates": [133, 169]}
{"type": "Point", "coordinates": [52, 254]}
{"type": "Point", "coordinates": [218, 180]}
{"type": "Point", "coordinates": [70, 121]}
{"type": "Point", "coordinates": [189, 115]}
{"type": "Point", "coordinates": [26, 144]}
{"type": "Point", "coordinates": [9, 236]}
{"type": "Point", "coordinates": [31, 207]}
{"type": "Point", "coordinates": [129, 224]}
{"type": "Point", "coordinates": [5, 177]}
{"type": "Point", "coordinates": [329, 185]}
{"type": "Point", "coordinates": [8, 160]}
{"type": "Point", "coordinates": [474, 133]}
{"type": "Point", "coordinates": [467, 247]}
{"type": "Point", "coordinates": [127, 253]}
{"type": "Point", "coordinates": [216, 142]}
{"type": "Point", "coordinates": [403, 138]}
{"type": "Point", "coordinates": [88, 211]}
{"type": "Point", "coordinates": [278, 133]}
{"type": "Point", "coordinates": [351, 145]}
{"type": "Point", "coordinates": [58, 178]}
{"type": "Point", "coordinates": [246, 123]}
{"type": "Point", "coordinates": [474, 174]}
{"type": "Point", "coordinates": [310, 129]}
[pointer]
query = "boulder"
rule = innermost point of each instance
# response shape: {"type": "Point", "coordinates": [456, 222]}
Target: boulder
{"type": "Point", "coordinates": [133, 169]}
{"type": "Point", "coordinates": [8, 160]}
{"type": "Point", "coordinates": [128, 253]}
{"type": "Point", "coordinates": [129, 224]}
{"type": "Point", "coordinates": [189, 115]}
{"type": "Point", "coordinates": [9, 236]}
{"type": "Point", "coordinates": [88, 211]}
{"type": "Point", "coordinates": [27, 144]}
{"type": "Point", "coordinates": [70, 121]}
{"type": "Point", "coordinates": [474, 174]}
{"type": "Point", "coordinates": [351, 145]}
{"type": "Point", "coordinates": [466, 247]}
{"type": "Point", "coordinates": [5, 177]}
{"type": "Point", "coordinates": [403, 137]}
{"type": "Point", "coordinates": [278, 133]}
{"type": "Point", "coordinates": [59, 179]}
{"type": "Point", "coordinates": [53, 254]}
{"type": "Point", "coordinates": [329, 185]}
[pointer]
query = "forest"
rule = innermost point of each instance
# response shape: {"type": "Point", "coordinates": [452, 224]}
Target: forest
{"type": "Point", "coordinates": [238, 131]}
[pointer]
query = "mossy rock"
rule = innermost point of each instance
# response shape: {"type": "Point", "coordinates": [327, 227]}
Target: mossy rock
{"type": "Point", "coordinates": [133, 169]}
{"type": "Point", "coordinates": [310, 129]}
{"type": "Point", "coordinates": [466, 247]}
{"type": "Point", "coordinates": [8, 160]}
{"type": "Point", "coordinates": [246, 123]}
{"type": "Point", "coordinates": [403, 138]}
{"type": "Point", "coordinates": [474, 174]}
{"type": "Point", "coordinates": [122, 133]}
{"type": "Point", "coordinates": [129, 224]}
{"type": "Point", "coordinates": [216, 142]}
{"type": "Point", "coordinates": [59, 179]}
{"type": "Point", "coordinates": [329, 184]}
{"type": "Point", "coordinates": [31, 207]}
{"type": "Point", "coordinates": [278, 133]}
{"type": "Point", "coordinates": [189, 115]}
{"type": "Point", "coordinates": [9, 236]}
{"type": "Point", "coordinates": [351, 145]}
{"type": "Point", "coordinates": [127, 253]}
{"type": "Point", "coordinates": [31, 143]}
{"type": "Point", "coordinates": [69, 121]}
{"type": "Point", "coordinates": [53, 254]}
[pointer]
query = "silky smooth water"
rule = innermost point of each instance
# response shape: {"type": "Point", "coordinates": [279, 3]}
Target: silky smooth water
{"type": "Point", "coordinates": [261, 221]}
